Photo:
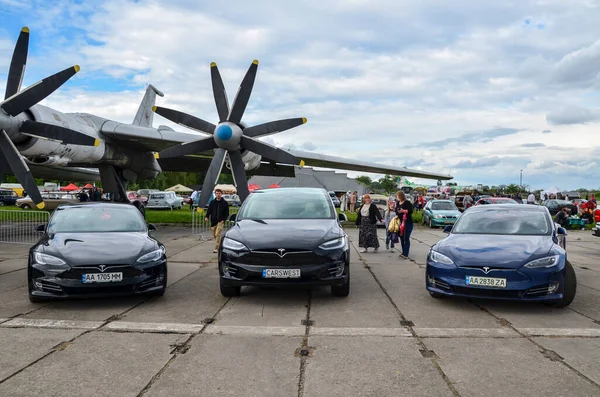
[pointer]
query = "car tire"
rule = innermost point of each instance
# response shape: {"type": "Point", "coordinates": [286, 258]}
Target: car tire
{"type": "Point", "coordinates": [25, 207]}
{"type": "Point", "coordinates": [569, 288]}
{"type": "Point", "coordinates": [343, 290]}
{"type": "Point", "coordinates": [431, 223]}
{"type": "Point", "coordinates": [229, 291]}
{"type": "Point", "coordinates": [436, 295]}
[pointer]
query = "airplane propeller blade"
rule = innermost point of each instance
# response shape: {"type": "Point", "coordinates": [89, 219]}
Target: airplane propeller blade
{"type": "Point", "coordinates": [219, 93]}
{"type": "Point", "coordinates": [17, 64]}
{"type": "Point", "coordinates": [185, 120]}
{"type": "Point", "coordinates": [20, 169]}
{"type": "Point", "coordinates": [185, 149]}
{"type": "Point", "coordinates": [57, 133]}
{"type": "Point", "coordinates": [273, 127]}
{"type": "Point", "coordinates": [4, 167]}
{"type": "Point", "coordinates": [269, 151]}
{"type": "Point", "coordinates": [212, 174]}
{"type": "Point", "coordinates": [243, 95]}
{"type": "Point", "coordinates": [239, 174]}
{"type": "Point", "coordinates": [37, 92]}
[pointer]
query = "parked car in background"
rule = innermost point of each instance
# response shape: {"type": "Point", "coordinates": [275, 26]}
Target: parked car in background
{"type": "Point", "coordinates": [440, 213]}
{"type": "Point", "coordinates": [134, 196]}
{"type": "Point", "coordinates": [164, 200]}
{"type": "Point", "coordinates": [51, 201]}
{"type": "Point", "coordinates": [8, 197]}
{"type": "Point", "coordinates": [335, 200]}
{"type": "Point", "coordinates": [495, 200]}
{"type": "Point", "coordinates": [555, 206]}
{"type": "Point", "coordinates": [381, 202]}
{"type": "Point", "coordinates": [232, 199]}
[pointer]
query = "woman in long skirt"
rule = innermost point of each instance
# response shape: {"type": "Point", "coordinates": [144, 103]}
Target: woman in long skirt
{"type": "Point", "coordinates": [368, 214]}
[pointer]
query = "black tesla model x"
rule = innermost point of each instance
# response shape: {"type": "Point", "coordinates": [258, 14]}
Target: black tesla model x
{"type": "Point", "coordinates": [283, 237]}
{"type": "Point", "coordinates": [96, 249]}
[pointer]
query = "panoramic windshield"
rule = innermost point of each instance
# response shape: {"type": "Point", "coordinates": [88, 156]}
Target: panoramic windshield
{"type": "Point", "coordinates": [287, 204]}
{"type": "Point", "coordinates": [505, 221]}
{"type": "Point", "coordinates": [444, 206]}
{"type": "Point", "coordinates": [96, 219]}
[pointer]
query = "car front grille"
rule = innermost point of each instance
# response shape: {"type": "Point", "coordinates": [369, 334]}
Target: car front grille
{"type": "Point", "coordinates": [290, 258]}
{"type": "Point", "coordinates": [488, 293]}
{"type": "Point", "coordinates": [76, 272]}
{"type": "Point", "coordinates": [439, 283]}
{"type": "Point", "coordinates": [101, 290]}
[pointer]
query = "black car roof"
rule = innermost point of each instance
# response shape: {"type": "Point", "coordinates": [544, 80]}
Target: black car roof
{"type": "Point", "coordinates": [516, 207]}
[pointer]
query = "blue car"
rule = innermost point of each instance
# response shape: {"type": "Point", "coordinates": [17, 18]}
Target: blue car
{"type": "Point", "coordinates": [509, 252]}
{"type": "Point", "coordinates": [440, 213]}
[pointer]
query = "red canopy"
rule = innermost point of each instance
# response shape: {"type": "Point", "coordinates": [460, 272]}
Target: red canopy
{"type": "Point", "coordinates": [88, 186]}
{"type": "Point", "coordinates": [253, 187]}
{"type": "Point", "coordinates": [69, 188]}
{"type": "Point", "coordinates": [274, 186]}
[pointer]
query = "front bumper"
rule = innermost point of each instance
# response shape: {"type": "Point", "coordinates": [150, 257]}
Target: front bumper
{"type": "Point", "coordinates": [136, 280]}
{"type": "Point", "coordinates": [315, 270]}
{"type": "Point", "coordinates": [443, 221]}
{"type": "Point", "coordinates": [521, 285]}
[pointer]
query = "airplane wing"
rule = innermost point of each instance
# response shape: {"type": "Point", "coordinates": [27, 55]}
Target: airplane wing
{"type": "Point", "coordinates": [144, 139]}
{"type": "Point", "coordinates": [326, 161]}
{"type": "Point", "coordinates": [190, 164]}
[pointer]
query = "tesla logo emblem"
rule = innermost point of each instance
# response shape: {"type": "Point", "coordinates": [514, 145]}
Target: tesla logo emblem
{"type": "Point", "coordinates": [102, 268]}
{"type": "Point", "coordinates": [281, 252]}
{"type": "Point", "coordinates": [486, 269]}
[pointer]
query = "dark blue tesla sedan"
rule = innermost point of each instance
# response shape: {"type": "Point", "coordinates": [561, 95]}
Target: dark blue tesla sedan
{"type": "Point", "coordinates": [510, 252]}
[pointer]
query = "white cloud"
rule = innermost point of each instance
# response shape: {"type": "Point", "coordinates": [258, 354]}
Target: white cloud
{"type": "Point", "coordinates": [470, 88]}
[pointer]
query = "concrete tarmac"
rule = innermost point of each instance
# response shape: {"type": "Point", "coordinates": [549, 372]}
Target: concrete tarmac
{"type": "Point", "coordinates": [388, 338]}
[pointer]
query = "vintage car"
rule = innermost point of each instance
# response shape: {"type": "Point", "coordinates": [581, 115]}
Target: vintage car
{"type": "Point", "coordinates": [164, 200]}
{"type": "Point", "coordinates": [51, 200]}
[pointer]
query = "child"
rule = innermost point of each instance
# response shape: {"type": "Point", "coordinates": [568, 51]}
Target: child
{"type": "Point", "coordinates": [390, 213]}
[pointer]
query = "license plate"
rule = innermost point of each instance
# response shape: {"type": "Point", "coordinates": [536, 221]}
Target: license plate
{"type": "Point", "coordinates": [101, 277]}
{"type": "Point", "coordinates": [281, 273]}
{"type": "Point", "coordinates": [486, 281]}
{"type": "Point", "coordinates": [448, 221]}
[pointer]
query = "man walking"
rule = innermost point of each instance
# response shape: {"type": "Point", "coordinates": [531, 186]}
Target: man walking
{"type": "Point", "coordinates": [218, 212]}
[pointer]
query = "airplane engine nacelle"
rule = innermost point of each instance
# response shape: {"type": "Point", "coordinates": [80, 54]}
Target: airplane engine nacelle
{"type": "Point", "coordinates": [48, 160]}
{"type": "Point", "coordinates": [251, 160]}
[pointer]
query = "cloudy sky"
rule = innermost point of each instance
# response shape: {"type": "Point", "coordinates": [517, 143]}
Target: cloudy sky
{"type": "Point", "coordinates": [480, 91]}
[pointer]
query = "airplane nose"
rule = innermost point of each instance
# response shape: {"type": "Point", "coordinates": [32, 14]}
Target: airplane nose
{"type": "Point", "coordinates": [224, 132]}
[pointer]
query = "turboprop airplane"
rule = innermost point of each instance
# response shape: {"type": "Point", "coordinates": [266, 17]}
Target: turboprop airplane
{"type": "Point", "coordinates": [54, 143]}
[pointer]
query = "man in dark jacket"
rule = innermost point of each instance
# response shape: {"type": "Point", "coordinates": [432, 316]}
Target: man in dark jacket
{"type": "Point", "coordinates": [562, 218]}
{"type": "Point", "coordinates": [217, 212]}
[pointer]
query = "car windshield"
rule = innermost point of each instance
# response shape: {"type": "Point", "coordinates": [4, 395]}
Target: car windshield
{"type": "Point", "coordinates": [562, 202]}
{"type": "Point", "coordinates": [504, 201]}
{"type": "Point", "coordinates": [503, 221]}
{"type": "Point", "coordinates": [287, 204]}
{"type": "Point", "coordinates": [444, 206]}
{"type": "Point", "coordinates": [88, 219]}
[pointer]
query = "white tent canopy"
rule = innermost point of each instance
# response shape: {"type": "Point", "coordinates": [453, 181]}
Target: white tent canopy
{"type": "Point", "coordinates": [179, 189]}
{"type": "Point", "coordinates": [227, 189]}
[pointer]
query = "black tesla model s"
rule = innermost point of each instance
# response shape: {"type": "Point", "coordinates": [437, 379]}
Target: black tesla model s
{"type": "Point", "coordinates": [283, 237]}
{"type": "Point", "coordinates": [96, 249]}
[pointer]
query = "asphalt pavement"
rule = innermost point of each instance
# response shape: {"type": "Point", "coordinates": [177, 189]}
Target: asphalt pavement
{"type": "Point", "coordinates": [388, 338]}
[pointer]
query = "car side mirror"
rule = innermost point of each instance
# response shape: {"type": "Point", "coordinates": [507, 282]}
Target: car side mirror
{"type": "Point", "coordinates": [41, 228]}
{"type": "Point", "coordinates": [152, 227]}
{"type": "Point", "coordinates": [561, 231]}
{"type": "Point", "coordinates": [448, 228]}
{"type": "Point", "coordinates": [233, 218]}
{"type": "Point", "coordinates": [342, 217]}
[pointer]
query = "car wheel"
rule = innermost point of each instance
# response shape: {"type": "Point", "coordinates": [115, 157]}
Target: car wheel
{"type": "Point", "coordinates": [229, 291]}
{"type": "Point", "coordinates": [436, 295]}
{"type": "Point", "coordinates": [342, 290]}
{"type": "Point", "coordinates": [569, 288]}
{"type": "Point", "coordinates": [26, 207]}
{"type": "Point", "coordinates": [431, 223]}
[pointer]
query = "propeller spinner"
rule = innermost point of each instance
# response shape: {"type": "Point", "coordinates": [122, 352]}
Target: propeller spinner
{"type": "Point", "coordinates": [229, 137]}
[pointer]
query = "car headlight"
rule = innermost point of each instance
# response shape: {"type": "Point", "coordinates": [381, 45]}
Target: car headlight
{"type": "Point", "coordinates": [44, 259]}
{"type": "Point", "coordinates": [334, 244]}
{"type": "Point", "coordinates": [543, 262]}
{"type": "Point", "coordinates": [152, 256]}
{"type": "Point", "coordinates": [437, 216]}
{"type": "Point", "coordinates": [440, 258]}
{"type": "Point", "coordinates": [233, 245]}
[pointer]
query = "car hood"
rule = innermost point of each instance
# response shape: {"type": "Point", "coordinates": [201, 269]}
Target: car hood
{"type": "Point", "coordinates": [98, 248]}
{"type": "Point", "coordinates": [301, 234]}
{"type": "Point", "coordinates": [446, 212]}
{"type": "Point", "coordinates": [494, 250]}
